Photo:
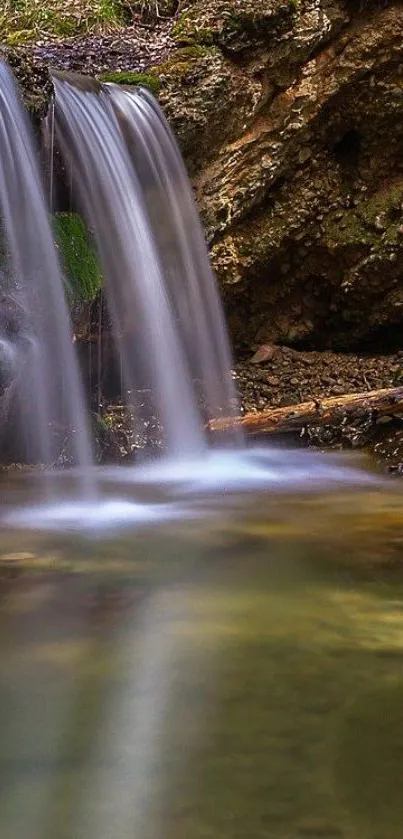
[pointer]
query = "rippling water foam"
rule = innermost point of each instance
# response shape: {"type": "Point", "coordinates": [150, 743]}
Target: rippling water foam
{"type": "Point", "coordinates": [191, 488]}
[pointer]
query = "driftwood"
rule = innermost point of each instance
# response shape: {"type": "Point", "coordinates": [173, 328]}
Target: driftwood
{"type": "Point", "coordinates": [335, 411]}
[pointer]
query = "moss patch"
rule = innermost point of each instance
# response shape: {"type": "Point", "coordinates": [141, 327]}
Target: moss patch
{"type": "Point", "coordinates": [148, 80]}
{"type": "Point", "coordinates": [188, 31]}
{"type": "Point", "coordinates": [28, 20]}
{"type": "Point", "coordinates": [33, 80]}
{"type": "Point", "coordinates": [374, 222]}
{"type": "Point", "coordinates": [78, 256]}
{"type": "Point", "coordinates": [183, 61]}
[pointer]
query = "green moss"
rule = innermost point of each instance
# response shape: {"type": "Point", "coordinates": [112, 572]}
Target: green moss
{"type": "Point", "coordinates": [374, 222]}
{"type": "Point", "coordinates": [349, 230]}
{"type": "Point", "coordinates": [148, 80]}
{"type": "Point", "coordinates": [77, 255]}
{"type": "Point", "coordinates": [183, 61]}
{"type": "Point", "coordinates": [194, 51]}
{"type": "Point", "coordinates": [383, 203]}
{"type": "Point", "coordinates": [188, 31]}
{"type": "Point", "coordinates": [27, 20]}
{"type": "Point", "coordinates": [33, 79]}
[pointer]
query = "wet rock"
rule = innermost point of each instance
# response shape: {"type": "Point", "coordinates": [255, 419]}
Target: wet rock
{"type": "Point", "coordinates": [300, 194]}
{"type": "Point", "coordinates": [33, 78]}
{"type": "Point", "coordinates": [265, 353]}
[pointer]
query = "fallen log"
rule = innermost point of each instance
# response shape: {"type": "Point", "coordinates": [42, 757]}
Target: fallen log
{"type": "Point", "coordinates": [336, 410]}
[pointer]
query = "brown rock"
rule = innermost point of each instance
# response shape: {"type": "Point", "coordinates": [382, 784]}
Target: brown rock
{"type": "Point", "coordinates": [265, 353]}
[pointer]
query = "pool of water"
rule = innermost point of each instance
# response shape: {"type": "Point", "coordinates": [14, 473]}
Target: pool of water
{"type": "Point", "coordinates": [236, 673]}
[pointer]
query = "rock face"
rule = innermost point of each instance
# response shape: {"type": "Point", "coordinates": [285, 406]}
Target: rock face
{"type": "Point", "coordinates": [290, 116]}
{"type": "Point", "coordinates": [33, 79]}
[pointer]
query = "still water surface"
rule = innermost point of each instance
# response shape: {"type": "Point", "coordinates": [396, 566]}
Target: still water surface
{"type": "Point", "coordinates": [235, 677]}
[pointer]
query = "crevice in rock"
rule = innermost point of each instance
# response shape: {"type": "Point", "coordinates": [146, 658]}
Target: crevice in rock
{"type": "Point", "coordinates": [347, 150]}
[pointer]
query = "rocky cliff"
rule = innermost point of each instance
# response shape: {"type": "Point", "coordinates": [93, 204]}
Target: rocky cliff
{"type": "Point", "coordinates": [290, 115]}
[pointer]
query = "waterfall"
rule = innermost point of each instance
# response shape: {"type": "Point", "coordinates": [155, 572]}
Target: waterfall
{"type": "Point", "coordinates": [49, 381]}
{"type": "Point", "coordinates": [161, 296]}
{"type": "Point", "coordinates": [160, 288]}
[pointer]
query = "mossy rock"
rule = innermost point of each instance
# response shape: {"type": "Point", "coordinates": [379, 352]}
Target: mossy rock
{"type": "Point", "coordinates": [204, 99]}
{"type": "Point", "coordinates": [78, 256]}
{"type": "Point", "coordinates": [149, 80]}
{"type": "Point", "coordinates": [33, 79]}
{"type": "Point", "coordinates": [182, 62]}
{"type": "Point", "coordinates": [375, 222]}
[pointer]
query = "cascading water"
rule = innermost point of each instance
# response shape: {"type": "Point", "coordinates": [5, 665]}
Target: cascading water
{"type": "Point", "coordinates": [160, 287]}
{"type": "Point", "coordinates": [49, 379]}
{"type": "Point", "coordinates": [162, 297]}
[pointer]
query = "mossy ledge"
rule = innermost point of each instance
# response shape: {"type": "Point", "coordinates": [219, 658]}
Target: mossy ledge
{"type": "Point", "coordinates": [149, 80]}
{"type": "Point", "coordinates": [182, 62]}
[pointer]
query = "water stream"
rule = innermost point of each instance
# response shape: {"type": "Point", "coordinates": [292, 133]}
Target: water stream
{"type": "Point", "coordinates": [50, 385]}
{"type": "Point", "coordinates": [230, 677]}
{"type": "Point", "coordinates": [111, 191]}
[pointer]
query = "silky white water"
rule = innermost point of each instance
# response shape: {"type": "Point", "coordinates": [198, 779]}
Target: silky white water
{"type": "Point", "coordinates": [49, 380]}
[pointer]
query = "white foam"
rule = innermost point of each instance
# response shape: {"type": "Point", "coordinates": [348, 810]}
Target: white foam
{"type": "Point", "coordinates": [181, 488]}
{"type": "Point", "coordinates": [99, 516]}
{"type": "Point", "coordinates": [227, 470]}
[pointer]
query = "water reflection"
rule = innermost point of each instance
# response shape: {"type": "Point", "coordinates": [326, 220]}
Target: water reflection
{"type": "Point", "coordinates": [240, 680]}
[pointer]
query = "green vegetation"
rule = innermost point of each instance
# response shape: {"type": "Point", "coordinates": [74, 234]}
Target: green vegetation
{"type": "Point", "coordinates": [22, 21]}
{"type": "Point", "coordinates": [153, 10]}
{"type": "Point", "coordinates": [375, 222]}
{"type": "Point", "coordinates": [77, 256]}
{"type": "Point", "coordinates": [188, 30]}
{"type": "Point", "coordinates": [182, 61]}
{"type": "Point", "coordinates": [145, 79]}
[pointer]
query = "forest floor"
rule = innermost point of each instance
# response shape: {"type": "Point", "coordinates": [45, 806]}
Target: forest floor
{"type": "Point", "coordinates": [132, 48]}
